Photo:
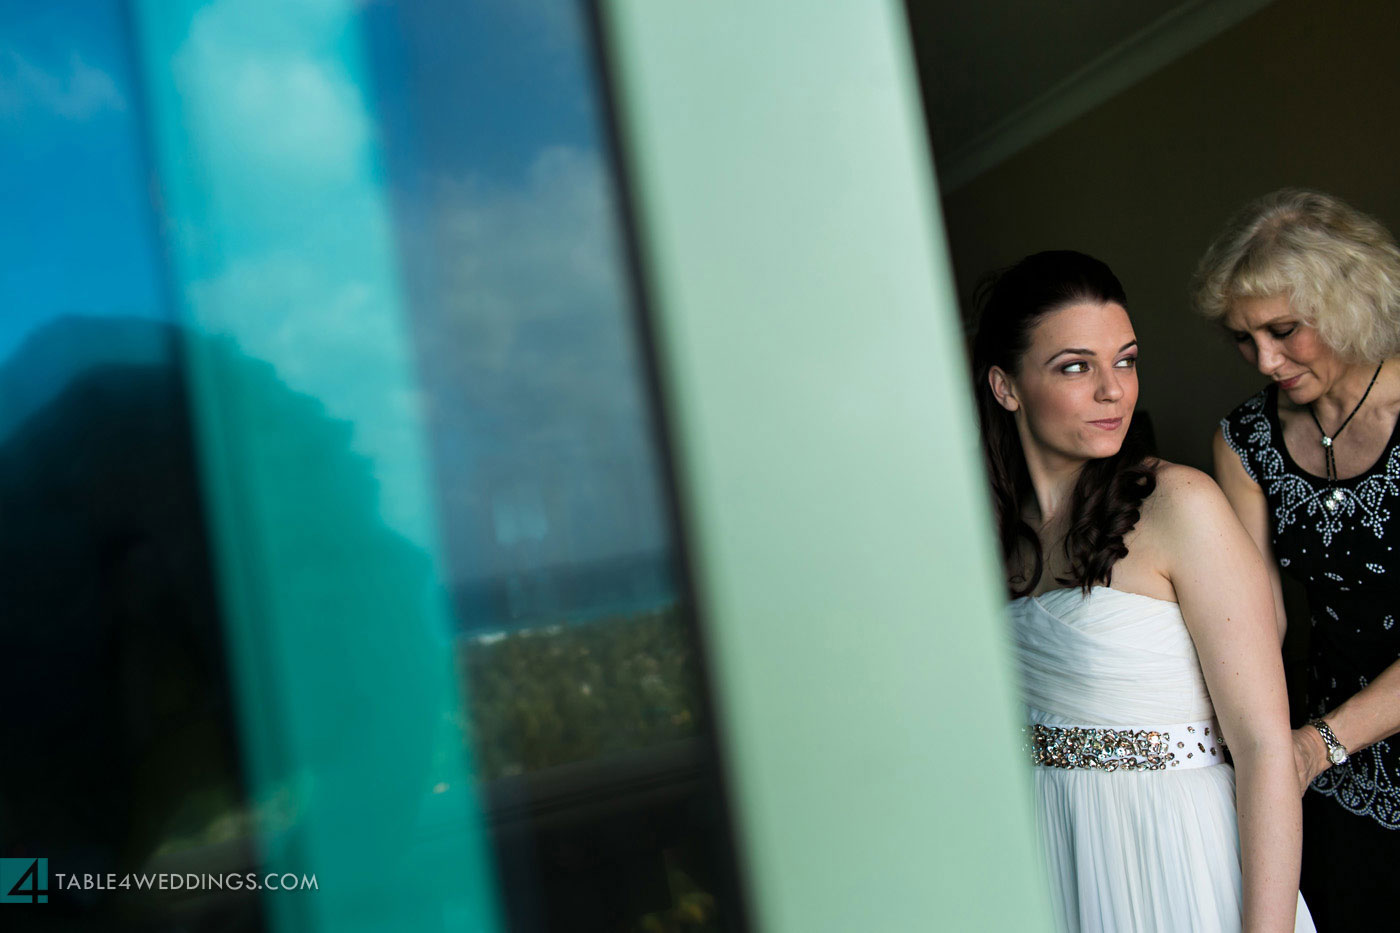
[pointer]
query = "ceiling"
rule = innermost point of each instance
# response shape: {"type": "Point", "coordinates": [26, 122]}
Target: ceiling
{"type": "Point", "coordinates": [987, 66]}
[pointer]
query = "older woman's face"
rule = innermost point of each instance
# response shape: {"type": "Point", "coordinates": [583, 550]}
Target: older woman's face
{"type": "Point", "coordinates": [1077, 385]}
{"type": "Point", "coordinates": [1276, 341]}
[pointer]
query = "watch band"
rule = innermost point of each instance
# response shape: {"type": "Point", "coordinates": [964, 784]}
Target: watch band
{"type": "Point", "coordinates": [1336, 751]}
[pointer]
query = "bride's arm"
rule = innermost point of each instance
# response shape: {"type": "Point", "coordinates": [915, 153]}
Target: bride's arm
{"type": "Point", "coordinates": [1227, 601]}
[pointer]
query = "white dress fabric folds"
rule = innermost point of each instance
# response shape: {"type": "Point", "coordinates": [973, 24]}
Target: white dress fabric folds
{"type": "Point", "coordinates": [1129, 851]}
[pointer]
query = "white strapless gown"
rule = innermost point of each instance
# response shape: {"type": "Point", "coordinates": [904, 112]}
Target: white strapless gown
{"type": "Point", "coordinates": [1128, 851]}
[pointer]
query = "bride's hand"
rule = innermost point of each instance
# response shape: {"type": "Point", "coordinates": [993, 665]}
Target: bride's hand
{"type": "Point", "coordinates": [1309, 756]}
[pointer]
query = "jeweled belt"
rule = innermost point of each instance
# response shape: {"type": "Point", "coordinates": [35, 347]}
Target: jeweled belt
{"type": "Point", "coordinates": [1126, 748]}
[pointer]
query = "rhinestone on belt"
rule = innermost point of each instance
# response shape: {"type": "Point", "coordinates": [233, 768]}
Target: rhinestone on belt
{"type": "Point", "coordinates": [1104, 749]}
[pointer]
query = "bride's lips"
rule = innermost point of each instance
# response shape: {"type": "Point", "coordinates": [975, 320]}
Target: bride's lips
{"type": "Point", "coordinates": [1108, 424]}
{"type": "Point", "coordinates": [1286, 384]}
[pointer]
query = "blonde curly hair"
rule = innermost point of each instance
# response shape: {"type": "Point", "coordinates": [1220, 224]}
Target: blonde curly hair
{"type": "Point", "coordinates": [1338, 268]}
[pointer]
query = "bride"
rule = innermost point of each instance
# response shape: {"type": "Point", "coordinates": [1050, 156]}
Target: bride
{"type": "Point", "coordinates": [1144, 623]}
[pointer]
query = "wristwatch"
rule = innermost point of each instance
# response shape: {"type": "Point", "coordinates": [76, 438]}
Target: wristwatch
{"type": "Point", "coordinates": [1336, 751]}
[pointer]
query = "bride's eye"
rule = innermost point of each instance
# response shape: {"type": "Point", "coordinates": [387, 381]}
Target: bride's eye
{"type": "Point", "coordinates": [1078, 366]}
{"type": "Point", "coordinates": [1127, 362]}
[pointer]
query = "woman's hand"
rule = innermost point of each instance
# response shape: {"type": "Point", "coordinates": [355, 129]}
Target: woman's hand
{"type": "Point", "coordinates": [1309, 756]}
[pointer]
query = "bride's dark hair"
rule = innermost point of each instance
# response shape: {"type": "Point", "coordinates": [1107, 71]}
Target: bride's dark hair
{"type": "Point", "coordinates": [1107, 498]}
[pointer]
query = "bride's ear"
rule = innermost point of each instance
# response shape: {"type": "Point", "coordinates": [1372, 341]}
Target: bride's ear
{"type": "Point", "coordinates": [1003, 389]}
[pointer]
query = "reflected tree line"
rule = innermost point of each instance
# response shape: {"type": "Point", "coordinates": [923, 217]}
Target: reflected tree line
{"type": "Point", "coordinates": [550, 696]}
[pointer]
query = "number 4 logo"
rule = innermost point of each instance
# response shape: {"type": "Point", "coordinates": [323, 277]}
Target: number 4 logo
{"type": "Point", "coordinates": [24, 881]}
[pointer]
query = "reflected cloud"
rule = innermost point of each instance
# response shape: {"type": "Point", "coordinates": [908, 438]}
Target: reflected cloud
{"type": "Point", "coordinates": [285, 110]}
{"type": "Point", "coordinates": [534, 358]}
{"type": "Point", "coordinates": [75, 91]}
{"type": "Point", "coordinates": [296, 261]}
{"type": "Point", "coordinates": [329, 334]}
{"type": "Point", "coordinates": [556, 24]}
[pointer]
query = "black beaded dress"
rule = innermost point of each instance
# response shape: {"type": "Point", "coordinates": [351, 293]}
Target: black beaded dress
{"type": "Point", "coordinates": [1343, 544]}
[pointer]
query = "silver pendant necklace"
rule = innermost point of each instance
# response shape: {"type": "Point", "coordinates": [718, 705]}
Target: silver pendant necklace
{"type": "Point", "coordinates": [1329, 453]}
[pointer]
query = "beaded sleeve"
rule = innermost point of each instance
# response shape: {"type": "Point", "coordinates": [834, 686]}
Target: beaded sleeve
{"type": "Point", "coordinates": [1240, 427]}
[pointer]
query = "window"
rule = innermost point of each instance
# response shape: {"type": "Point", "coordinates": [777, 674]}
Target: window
{"type": "Point", "coordinates": [336, 520]}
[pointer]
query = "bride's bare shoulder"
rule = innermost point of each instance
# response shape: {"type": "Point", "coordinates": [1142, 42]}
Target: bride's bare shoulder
{"type": "Point", "coordinates": [1184, 494]}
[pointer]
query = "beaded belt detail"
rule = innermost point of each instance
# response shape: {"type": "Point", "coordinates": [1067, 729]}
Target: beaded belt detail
{"type": "Point", "coordinates": [1097, 748]}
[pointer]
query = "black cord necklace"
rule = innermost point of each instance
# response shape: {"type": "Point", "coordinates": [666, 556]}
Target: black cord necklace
{"type": "Point", "coordinates": [1334, 495]}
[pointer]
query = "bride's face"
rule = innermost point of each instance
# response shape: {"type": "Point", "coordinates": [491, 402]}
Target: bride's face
{"type": "Point", "coordinates": [1076, 386]}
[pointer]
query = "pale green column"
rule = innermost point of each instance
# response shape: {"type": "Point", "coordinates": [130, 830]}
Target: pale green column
{"type": "Point", "coordinates": [303, 397]}
{"type": "Point", "coordinates": [810, 355]}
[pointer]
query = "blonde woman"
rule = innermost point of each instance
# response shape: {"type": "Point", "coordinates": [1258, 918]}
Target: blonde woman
{"type": "Point", "coordinates": [1309, 289]}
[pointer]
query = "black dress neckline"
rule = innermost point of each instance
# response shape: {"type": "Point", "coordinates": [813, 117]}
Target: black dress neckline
{"type": "Point", "coordinates": [1271, 412]}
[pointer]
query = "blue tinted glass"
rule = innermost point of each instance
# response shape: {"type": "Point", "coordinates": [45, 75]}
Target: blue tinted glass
{"type": "Point", "coordinates": [522, 314]}
{"type": "Point", "coordinates": [258, 382]}
{"type": "Point", "coordinates": [547, 471]}
{"type": "Point", "coordinates": [120, 753]}
{"type": "Point", "coordinates": [76, 231]}
{"type": "Point", "coordinates": [583, 678]}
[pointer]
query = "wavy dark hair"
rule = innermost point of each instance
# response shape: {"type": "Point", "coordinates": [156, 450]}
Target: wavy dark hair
{"type": "Point", "coordinates": [1107, 499]}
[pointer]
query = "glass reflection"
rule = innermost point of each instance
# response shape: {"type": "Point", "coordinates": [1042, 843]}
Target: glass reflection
{"type": "Point", "coordinates": [572, 642]}
{"type": "Point", "coordinates": [76, 233]}
{"type": "Point", "coordinates": [554, 513]}
{"type": "Point", "coordinates": [584, 691]}
{"type": "Point", "coordinates": [120, 750]}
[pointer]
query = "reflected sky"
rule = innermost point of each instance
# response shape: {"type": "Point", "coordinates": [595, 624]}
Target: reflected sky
{"type": "Point", "coordinates": [482, 120]}
{"type": "Point", "coordinates": [76, 234]}
{"type": "Point", "coordinates": [509, 233]}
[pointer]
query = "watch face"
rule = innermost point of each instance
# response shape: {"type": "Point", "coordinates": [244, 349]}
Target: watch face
{"type": "Point", "coordinates": [1337, 756]}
